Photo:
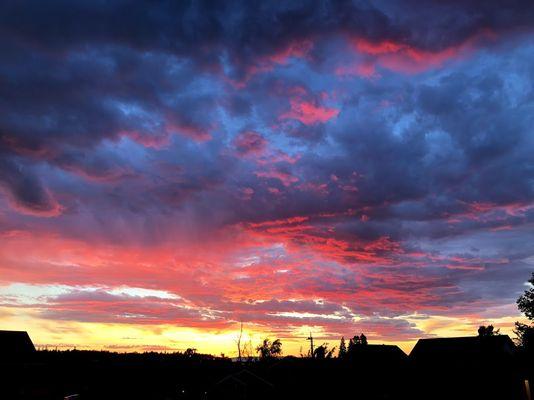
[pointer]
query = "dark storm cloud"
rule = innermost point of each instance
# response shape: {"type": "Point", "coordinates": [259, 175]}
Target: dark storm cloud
{"type": "Point", "coordinates": [195, 26]}
{"type": "Point", "coordinates": [25, 190]}
{"type": "Point", "coordinates": [75, 73]}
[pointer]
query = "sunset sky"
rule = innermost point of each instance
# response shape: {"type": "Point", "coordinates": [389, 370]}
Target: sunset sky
{"type": "Point", "coordinates": [171, 169]}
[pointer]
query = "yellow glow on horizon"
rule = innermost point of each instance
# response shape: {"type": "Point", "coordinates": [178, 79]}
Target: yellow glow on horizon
{"type": "Point", "coordinates": [129, 337]}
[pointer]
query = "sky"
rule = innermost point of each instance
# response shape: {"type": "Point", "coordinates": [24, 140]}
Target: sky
{"type": "Point", "coordinates": [169, 170]}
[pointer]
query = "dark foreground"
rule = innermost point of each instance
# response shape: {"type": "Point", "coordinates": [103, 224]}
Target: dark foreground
{"type": "Point", "coordinates": [102, 375]}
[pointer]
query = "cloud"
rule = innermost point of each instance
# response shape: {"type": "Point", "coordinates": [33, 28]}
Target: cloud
{"type": "Point", "coordinates": [401, 57]}
{"type": "Point", "coordinates": [309, 114]}
{"type": "Point", "coordinates": [25, 192]}
{"type": "Point", "coordinates": [250, 143]}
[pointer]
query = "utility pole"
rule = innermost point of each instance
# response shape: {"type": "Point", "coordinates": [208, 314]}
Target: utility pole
{"type": "Point", "coordinates": [311, 344]}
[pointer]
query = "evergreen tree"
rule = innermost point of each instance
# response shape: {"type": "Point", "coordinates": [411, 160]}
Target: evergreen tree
{"type": "Point", "coordinates": [351, 346]}
{"type": "Point", "coordinates": [363, 339]}
{"type": "Point", "coordinates": [342, 348]}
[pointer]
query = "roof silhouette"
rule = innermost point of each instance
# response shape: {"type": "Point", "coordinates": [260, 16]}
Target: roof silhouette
{"type": "Point", "coordinates": [380, 349]}
{"type": "Point", "coordinates": [462, 347]}
{"type": "Point", "coordinates": [15, 344]}
{"type": "Point", "coordinates": [377, 353]}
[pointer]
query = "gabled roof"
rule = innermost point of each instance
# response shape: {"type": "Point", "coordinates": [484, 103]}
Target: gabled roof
{"type": "Point", "coordinates": [15, 344]}
{"type": "Point", "coordinates": [462, 347]}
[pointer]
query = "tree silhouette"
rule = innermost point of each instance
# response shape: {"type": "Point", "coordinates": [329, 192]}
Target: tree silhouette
{"type": "Point", "coordinates": [351, 345]}
{"type": "Point", "coordinates": [190, 353]}
{"type": "Point", "coordinates": [484, 331]}
{"type": "Point", "coordinates": [357, 342]}
{"type": "Point", "coordinates": [276, 348]}
{"type": "Point", "coordinates": [525, 335]}
{"type": "Point", "coordinates": [322, 352]}
{"type": "Point", "coordinates": [269, 349]}
{"type": "Point", "coordinates": [363, 340]}
{"type": "Point", "coordinates": [264, 349]}
{"type": "Point", "coordinates": [525, 302]}
{"type": "Point", "coordinates": [525, 332]}
{"type": "Point", "coordinates": [342, 348]}
{"type": "Point", "coordinates": [248, 350]}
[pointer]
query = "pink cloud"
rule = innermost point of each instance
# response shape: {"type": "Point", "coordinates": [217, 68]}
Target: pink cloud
{"type": "Point", "coordinates": [404, 58]}
{"type": "Point", "coordinates": [316, 234]}
{"type": "Point", "coordinates": [274, 191]}
{"type": "Point", "coordinates": [320, 189]}
{"type": "Point", "coordinates": [485, 211]}
{"type": "Point", "coordinates": [286, 178]}
{"type": "Point", "coordinates": [278, 222]}
{"type": "Point", "coordinates": [281, 56]}
{"type": "Point", "coordinates": [150, 141]}
{"type": "Point", "coordinates": [309, 113]}
{"type": "Point", "coordinates": [295, 49]}
{"type": "Point", "coordinates": [278, 156]}
{"type": "Point", "coordinates": [246, 193]}
{"type": "Point", "coordinates": [194, 132]}
{"type": "Point", "coordinates": [162, 139]}
{"type": "Point", "coordinates": [250, 143]}
{"type": "Point", "coordinates": [365, 70]}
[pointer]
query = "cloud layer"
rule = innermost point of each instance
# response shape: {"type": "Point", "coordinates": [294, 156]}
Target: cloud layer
{"type": "Point", "coordinates": [345, 166]}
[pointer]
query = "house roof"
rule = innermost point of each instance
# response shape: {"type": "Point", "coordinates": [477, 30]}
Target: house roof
{"type": "Point", "coordinates": [378, 351]}
{"type": "Point", "coordinates": [458, 347]}
{"type": "Point", "coordinates": [15, 343]}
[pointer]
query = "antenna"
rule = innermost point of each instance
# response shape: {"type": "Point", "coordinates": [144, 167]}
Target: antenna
{"type": "Point", "coordinates": [311, 344]}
